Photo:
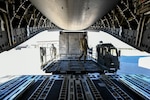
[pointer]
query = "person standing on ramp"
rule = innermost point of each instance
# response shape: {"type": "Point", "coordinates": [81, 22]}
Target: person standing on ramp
{"type": "Point", "coordinates": [83, 47]}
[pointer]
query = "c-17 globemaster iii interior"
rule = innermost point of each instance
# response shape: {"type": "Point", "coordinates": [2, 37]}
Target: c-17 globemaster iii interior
{"type": "Point", "coordinates": [71, 78]}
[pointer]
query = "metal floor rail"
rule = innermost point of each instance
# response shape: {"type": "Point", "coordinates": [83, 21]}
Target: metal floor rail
{"type": "Point", "coordinates": [138, 83]}
{"type": "Point", "coordinates": [76, 87]}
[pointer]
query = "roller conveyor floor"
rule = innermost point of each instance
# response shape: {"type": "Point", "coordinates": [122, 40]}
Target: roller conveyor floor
{"type": "Point", "coordinates": [76, 87]}
{"type": "Point", "coordinates": [73, 66]}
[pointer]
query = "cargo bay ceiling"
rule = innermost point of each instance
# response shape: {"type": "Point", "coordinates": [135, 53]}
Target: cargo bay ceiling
{"type": "Point", "coordinates": [127, 20]}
